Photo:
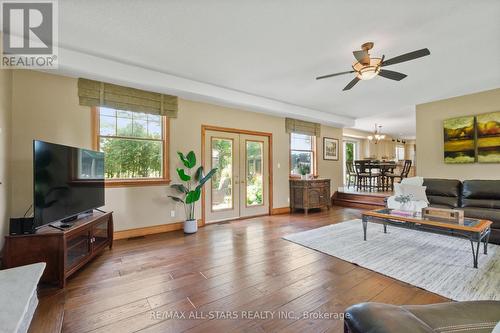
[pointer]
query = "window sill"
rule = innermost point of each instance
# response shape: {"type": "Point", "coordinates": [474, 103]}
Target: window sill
{"type": "Point", "coordinates": [135, 182]}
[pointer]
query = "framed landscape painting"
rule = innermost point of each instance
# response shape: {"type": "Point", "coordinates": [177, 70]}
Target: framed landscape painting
{"type": "Point", "coordinates": [459, 142]}
{"type": "Point", "coordinates": [330, 149]}
{"type": "Point", "coordinates": [488, 137]}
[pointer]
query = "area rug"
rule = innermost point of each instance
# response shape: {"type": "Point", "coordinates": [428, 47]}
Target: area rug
{"type": "Point", "coordinates": [437, 263]}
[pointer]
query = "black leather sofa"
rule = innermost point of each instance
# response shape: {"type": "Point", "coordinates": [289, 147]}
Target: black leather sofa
{"type": "Point", "coordinates": [453, 317]}
{"type": "Point", "coordinates": [477, 198]}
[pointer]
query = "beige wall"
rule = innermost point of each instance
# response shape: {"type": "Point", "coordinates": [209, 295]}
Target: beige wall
{"type": "Point", "coordinates": [5, 115]}
{"type": "Point", "coordinates": [368, 149]}
{"type": "Point", "coordinates": [46, 107]}
{"type": "Point", "coordinates": [430, 118]}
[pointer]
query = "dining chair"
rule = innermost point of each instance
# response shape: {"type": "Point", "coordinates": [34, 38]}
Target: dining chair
{"type": "Point", "coordinates": [365, 177]}
{"type": "Point", "coordinates": [351, 173]}
{"type": "Point", "coordinates": [404, 174]}
{"type": "Point", "coordinates": [386, 169]}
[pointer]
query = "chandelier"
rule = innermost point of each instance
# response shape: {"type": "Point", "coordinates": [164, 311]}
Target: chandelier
{"type": "Point", "coordinates": [377, 134]}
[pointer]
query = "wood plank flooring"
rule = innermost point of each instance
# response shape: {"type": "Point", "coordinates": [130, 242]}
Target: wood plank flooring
{"type": "Point", "coordinates": [241, 272]}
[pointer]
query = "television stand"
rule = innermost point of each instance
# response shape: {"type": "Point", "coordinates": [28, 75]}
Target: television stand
{"type": "Point", "coordinates": [65, 251]}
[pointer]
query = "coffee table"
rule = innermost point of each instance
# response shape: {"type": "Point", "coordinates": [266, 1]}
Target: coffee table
{"type": "Point", "coordinates": [475, 230]}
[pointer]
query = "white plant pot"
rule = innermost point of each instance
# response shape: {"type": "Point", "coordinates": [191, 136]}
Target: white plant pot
{"type": "Point", "coordinates": [190, 226]}
{"type": "Point", "coordinates": [303, 177]}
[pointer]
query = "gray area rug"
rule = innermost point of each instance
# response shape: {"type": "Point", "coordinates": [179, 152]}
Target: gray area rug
{"type": "Point", "coordinates": [437, 263]}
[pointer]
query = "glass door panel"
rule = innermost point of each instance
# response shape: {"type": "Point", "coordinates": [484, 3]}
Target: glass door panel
{"type": "Point", "coordinates": [222, 180]}
{"type": "Point", "coordinates": [222, 194]}
{"type": "Point", "coordinates": [78, 248]}
{"type": "Point", "coordinates": [254, 155]}
{"type": "Point", "coordinates": [254, 173]}
{"type": "Point", "coordinates": [100, 234]}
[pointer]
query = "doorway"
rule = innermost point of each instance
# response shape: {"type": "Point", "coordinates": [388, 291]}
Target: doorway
{"type": "Point", "coordinates": [241, 186]}
{"type": "Point", "coordinates": [350, 155]}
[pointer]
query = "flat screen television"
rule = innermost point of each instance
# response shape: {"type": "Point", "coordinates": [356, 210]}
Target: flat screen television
{"type": "Point", "coordinates": [68, 181]}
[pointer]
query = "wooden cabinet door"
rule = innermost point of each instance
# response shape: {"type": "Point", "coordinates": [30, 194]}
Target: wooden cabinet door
{"type": "Point", "coordinates": [78, 247]}
{"type": "Point", "coordinates": [315, 197]}
{"type": "Point", "coordinates": [100, 235]}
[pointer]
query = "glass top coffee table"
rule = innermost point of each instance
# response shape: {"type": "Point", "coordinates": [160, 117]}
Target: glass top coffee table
{"type": "Point", "coordinates": [475, 230]}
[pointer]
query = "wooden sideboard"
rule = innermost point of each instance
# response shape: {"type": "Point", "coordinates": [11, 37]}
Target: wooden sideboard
{"type": "Point", "coordinates": [64, 252]}
{"type": "Point", "coordinates": [307, 194]}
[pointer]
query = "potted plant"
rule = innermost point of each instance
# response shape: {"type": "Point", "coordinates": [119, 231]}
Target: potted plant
{"type": "Point", "coordinates": [304, 170]}
{"type": "Point", "coordinates": [404, 200]}
{"type": "Point", "coordinates": [190, 189]}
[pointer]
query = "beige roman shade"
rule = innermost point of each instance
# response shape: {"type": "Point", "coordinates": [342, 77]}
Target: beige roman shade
{"type": "Point", "coordinates": [95, 93]}
{"type": "Point", "coordinates": [302, 127]}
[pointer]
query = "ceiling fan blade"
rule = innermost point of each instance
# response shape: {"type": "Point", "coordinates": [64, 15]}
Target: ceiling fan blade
{"type": "Point", "coordinates": [362, 56]}
{"type": "Point", "coordinates": [407, 57]}
{"type": "Point", "coordinates": [351, 84]}
{"type": "Point", "coordinates": [330, 75]}
{"type": "Point", "coordinates": [397, 76]}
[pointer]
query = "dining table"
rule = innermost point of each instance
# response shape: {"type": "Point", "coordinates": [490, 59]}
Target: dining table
{"type": "Point", "coordinates": [384, 167]}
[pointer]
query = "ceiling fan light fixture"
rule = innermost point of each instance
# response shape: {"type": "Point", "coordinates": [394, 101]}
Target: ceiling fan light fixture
{"type": "Point", "coordinates": [367, 72]}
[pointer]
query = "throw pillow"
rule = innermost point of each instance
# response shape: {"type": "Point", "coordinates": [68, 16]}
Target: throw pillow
{"type": "Point", "coordinates": [413, 181]}
{"type": "Point", "coordinates": [416, 192]}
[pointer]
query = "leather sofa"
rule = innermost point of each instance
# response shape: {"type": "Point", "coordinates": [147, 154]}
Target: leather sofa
{"type": "Point", "coordinates": [453, 317]}
{"type": "Point", "coordinates": [477, 198]}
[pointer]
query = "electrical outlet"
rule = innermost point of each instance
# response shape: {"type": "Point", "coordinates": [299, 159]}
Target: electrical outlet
{"type": "Point", "coordinates": [288, 199]}
{"type": "Point", "coordinates": [172, 213]}
{"type": "Point", "coordinates": [279, 165]}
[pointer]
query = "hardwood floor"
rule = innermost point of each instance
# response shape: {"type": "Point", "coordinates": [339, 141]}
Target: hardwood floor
{"type": "Point", "coordinates": [241, 269]}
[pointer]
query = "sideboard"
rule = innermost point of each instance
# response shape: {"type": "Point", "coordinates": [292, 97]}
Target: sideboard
{"type": "Point", "coordinates": [311, 193]}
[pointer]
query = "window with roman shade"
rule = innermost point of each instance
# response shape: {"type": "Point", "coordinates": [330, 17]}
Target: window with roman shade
{"type": "Point", "coordinates": [131, 127]}
{"type": "Point", "coordinates": [302, 152]}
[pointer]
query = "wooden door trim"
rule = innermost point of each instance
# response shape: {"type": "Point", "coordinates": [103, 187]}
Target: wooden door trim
{"type": "Point", "coordinates": [205, 128]}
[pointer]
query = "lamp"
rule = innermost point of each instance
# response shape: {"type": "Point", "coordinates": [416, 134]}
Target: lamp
{"type": "Point", "coordinates": [377, 134]}
{"type": "Point", "coordinates": [369, 70]}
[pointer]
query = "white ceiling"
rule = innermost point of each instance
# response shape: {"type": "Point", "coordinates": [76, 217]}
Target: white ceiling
{"type": "Point", "coordinates": [264, 55]}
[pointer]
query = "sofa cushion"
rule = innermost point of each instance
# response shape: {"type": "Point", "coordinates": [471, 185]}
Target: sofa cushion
{"type": "Point", "coordinates": [481, 193]}
{"type": "Point", "coordinates": [443, 192]}
{"type": "Point", "coordinates": [484, 213]}
{"type": "Point", "coordinates": [443, 202]}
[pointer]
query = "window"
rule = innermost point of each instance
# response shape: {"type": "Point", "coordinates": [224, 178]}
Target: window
{"type": "Point", "coordinates": [400, 153]}
{"type": "Point", "coordinates": [135, 145]}
{"type": "Point", "coordinates": [302, 153]}
{"type": "Point", "coordinates": [350, 151]}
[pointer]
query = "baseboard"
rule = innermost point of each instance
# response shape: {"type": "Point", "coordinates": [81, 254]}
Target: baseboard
{"type": "Point", "coordinates": [280, 210]}
{"type": "Point", "coordinates": [155, 229]}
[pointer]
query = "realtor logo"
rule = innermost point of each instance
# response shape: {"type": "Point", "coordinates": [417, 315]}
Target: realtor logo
{"type": "Point", "coordinates": [29, 37]}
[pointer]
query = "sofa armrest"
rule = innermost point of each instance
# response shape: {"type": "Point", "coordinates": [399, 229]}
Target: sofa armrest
{"type": "Point", "coordinates": [382, 318]}
{"type": "Point", "coordinates": [473, 316]}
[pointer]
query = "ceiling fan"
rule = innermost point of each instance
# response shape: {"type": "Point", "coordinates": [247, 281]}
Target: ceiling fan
{"type": "Point", "coordinates": [367, 68]}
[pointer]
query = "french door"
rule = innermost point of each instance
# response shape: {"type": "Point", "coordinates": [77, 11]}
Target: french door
{"type": "Point", "coordinates": [350, 154]}
{"type": "Point", "coordinates": [240, 187]}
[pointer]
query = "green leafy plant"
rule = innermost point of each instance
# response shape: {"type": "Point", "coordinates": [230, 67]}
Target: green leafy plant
{"type": "Point", "coordinates": [304, 169]}
{"type": "Point", "coordinates": [403, 198]}
{"type": "Point", "coordinates": [190, 189]}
